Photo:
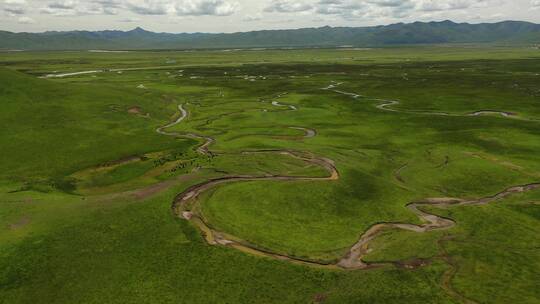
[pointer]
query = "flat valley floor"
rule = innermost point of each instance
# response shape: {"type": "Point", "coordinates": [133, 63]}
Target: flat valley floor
{"type": "Point", "coordinates": [392, 175]}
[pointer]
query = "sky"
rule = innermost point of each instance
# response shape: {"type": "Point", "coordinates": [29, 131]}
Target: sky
{"type": "Point", "coordinates": [214, 16]}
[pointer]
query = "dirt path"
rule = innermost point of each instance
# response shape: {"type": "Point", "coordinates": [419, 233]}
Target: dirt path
{"type": "Point", "coordinates": [448, 275]}
{"type": "Point", "coordinates": [397, 173]}
{"type": "Point", "coordinates": [332, 87]}
{"type": "Point", "coordinates": [309, 133]}
{"type": "Point", "coordinates": [158, 67]}
{"type": "Point", "coordinates": [71, 74]}
{"type": "Point", "coordinates": [353, 259]}
{"type": "Point", "coordinates": [278, 104]}
{"type": "Point", "coordinates": [387, 105]}
{"type": "Point", "coordinates": [185, 206]}
{"type": "Point", "coordinates": [183, 115]}
{"type": "Point", "coordinates": [185, 203]}
{"type": "Point", "coordinates": [353, 95]}
{"type": "Point", "coordinates": [491, 112]}
{"type": "Point", "coordinates": [203, 149]}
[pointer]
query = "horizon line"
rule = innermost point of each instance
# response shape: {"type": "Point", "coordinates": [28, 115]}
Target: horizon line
{"type": "Point", "coordinates": [262, 30]}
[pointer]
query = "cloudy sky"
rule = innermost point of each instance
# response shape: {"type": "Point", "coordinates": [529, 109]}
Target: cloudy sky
{"type": "Point", "coordinates": [244, 15]}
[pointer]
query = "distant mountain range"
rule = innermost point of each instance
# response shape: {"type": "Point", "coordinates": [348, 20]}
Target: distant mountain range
{"type": "Point", "coordinates": [395, 34]}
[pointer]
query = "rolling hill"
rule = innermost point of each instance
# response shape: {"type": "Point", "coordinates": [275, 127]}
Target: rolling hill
{"type": "Point", "coordinates": [395, 34]}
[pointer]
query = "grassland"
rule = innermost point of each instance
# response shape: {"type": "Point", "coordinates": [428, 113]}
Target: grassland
{"type": "Point", "coordinates": [87, 184]}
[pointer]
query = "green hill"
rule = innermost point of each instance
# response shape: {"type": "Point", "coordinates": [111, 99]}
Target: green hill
{"type": "Point", "coordinates": [395, 34]}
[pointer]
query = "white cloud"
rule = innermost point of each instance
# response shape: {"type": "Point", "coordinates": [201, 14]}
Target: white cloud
{"type": "Point", "coordinates": [60, 8]}
{"type": "Point", "coordinates": [81, 8]}
{"type": "Point", "coordinates": [390, 3]}
{"type": "Point", "coordinates": [445, 5]}
{"type": "Point", "coordinates": [15, 7]}
{"type": "Point", "coordinates": [367, 10]}
{"type": "Point", "coordinates": [12, 11]}
{"type": "Point", "coordinates": [244, 15]}
{"type": "Point", "coordinates": [288, 6]}
{"type": "Point", "coordinates": [129, 20]}
{"type": "Point", "coordinates": [150, 7]}
{"type": "Point", "coordinates": [206, 7]}
{"type": "Point", "coordinates": [106, 7]}
{"type": "Point", "coordinates": [26, 20]}
{"type": "Point", "coordinates": [182, 7]}
{"type": "Point", "coordinates": [253, 17]}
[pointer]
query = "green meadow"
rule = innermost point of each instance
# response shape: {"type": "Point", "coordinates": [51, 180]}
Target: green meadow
{"type": "Point", "coordinates": [88, 183]}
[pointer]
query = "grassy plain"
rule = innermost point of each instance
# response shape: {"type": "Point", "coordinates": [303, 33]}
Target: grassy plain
{"type": "Point", "coordinates": [87, 183]}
